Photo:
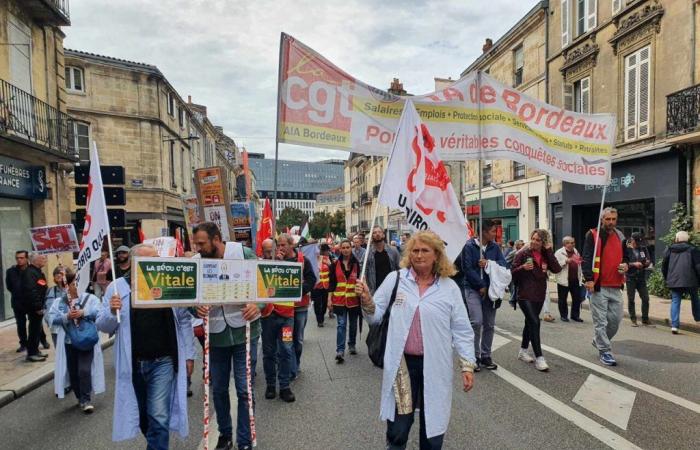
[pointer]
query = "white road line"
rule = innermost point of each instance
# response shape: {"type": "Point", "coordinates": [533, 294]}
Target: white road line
{"type": "Point", "coordinates": [616, 376]}
{"type": "Point", "coordinates": [582, 421]}
{"type": "Point", "coordinates": [607, 400]}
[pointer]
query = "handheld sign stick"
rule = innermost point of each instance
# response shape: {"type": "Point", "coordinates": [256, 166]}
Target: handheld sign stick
{"type": "Point", "coordinates": [114, 274]}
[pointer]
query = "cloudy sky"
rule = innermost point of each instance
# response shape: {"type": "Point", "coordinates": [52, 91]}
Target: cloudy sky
{"type": "Point", "coordinates": [224, 53]}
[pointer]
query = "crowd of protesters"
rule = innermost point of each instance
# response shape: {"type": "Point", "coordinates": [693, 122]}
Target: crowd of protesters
{"type": "Point", "coordinates": [435, 304]}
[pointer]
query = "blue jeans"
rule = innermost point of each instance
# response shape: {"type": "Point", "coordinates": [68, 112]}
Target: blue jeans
{"type": "Point", "coordinates": [299, 325]}
{"type": "Point", "coordinates": [276, 352]}
{"type": "Point", "coordinates": [342, 313]}
{"type": "Point", "coordinates": [676, 295]}
{"type": "Point", "coordinates": [222, 359]}
{"type": "Point", "coordinates": [153, 384]}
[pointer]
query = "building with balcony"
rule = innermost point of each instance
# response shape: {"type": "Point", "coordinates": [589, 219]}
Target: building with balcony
{"type": "Point", "coordinates": [517, 59]}
{"type": "Point", "coordinates": [36, 141]}
{"type": "Point", "coordinates": [298, 182]}
{"type": "Point", "coordinates": [330, 201]}
{"type": "Point", "coordinates": [142, 124]}
{"type": "Point", "coordinates": [638, 60]}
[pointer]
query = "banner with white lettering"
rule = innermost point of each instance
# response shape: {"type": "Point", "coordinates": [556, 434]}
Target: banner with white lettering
{"type": "Point", "coordinates": [54, 239]}
{"type": "Point", "coordinates": [96, 227]}
{"type": "Point", "coordinates": [417, 182]}
{"type": "Point", "coordinates": [476, 117]}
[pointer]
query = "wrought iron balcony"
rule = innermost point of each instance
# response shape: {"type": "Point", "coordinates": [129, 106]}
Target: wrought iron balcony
{"type": "Point", "coordinates": [49, 12]}
{"type": "Point", "coordinates": [364, 198]}
{"type": "Point", "coordinates": [364, 224]}
{"type": "Point", "coordinates": [683, 111]}
{"type": "Point", "coordinates": [27, 120]}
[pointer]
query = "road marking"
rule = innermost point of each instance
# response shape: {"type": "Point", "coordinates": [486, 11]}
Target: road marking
{"type": "Point", "coordinates": [498, 342]}
{"type": "Point", "coordinates": [607, 400]}
{"type": "Point", "coordinates": [616, 376]}
{"type": "Point", "coordinates": [598, 431]}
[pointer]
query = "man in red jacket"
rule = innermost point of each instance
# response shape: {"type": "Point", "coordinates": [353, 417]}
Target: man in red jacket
{"type": "Point", "coordinates": [605, 280]}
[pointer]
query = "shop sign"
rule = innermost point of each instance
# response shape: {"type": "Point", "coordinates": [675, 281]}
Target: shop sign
{"type": "Point", "coordinates": [616, 184]}
{"type": "Point", "coordinates": [511, 200]}
{"type": "Point", "coordinates": [21, 180]}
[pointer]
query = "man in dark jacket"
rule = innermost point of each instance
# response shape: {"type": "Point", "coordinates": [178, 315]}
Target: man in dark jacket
{"type": "Point", "coordinates": [639, 260]}
{"type": "Point", "coordinates": [34, 289]}
{"type": "Point", "coordinates": [381, 261]}
{"type": "Point", "coordinates": [605, 281]}
{"type": "Point", "coordinates": [13, 283]}
{"type": "Point", "coordinates": [680, 267]}
{"type": "Point", "coordinates": [482, 311]}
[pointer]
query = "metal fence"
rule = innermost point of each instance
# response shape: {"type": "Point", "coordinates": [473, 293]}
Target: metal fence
{"type": "Point", "coordinates": [683, 111]}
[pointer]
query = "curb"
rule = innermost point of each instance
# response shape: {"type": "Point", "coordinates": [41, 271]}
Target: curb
{"type": "Point", "coordinates": [666, 322]}
{"type": "Point", "coordinates": [27, 383]}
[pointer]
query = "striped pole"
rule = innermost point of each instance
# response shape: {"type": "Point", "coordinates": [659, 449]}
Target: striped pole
{"type": "Point", "coordinates": [206, 382]}
{"type": "Point", "coordinates": [249, 382]}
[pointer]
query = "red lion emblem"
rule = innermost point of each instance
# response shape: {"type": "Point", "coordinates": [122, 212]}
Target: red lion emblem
{"type": "Point", "coordinates": [436, 180]}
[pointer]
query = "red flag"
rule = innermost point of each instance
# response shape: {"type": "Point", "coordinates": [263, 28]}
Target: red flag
{"type": "Point", "coordinates": [265, 231]}
{"type": "Point", "coordinates": [179, 248]}
{"type": "Point", "coordinates": [142, 236]}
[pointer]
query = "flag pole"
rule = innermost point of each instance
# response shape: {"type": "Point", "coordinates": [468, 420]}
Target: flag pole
{"type": "Point", "coordinates": [111, 260]}
{"type": "Point", "coordinates": [600, 216]}
{"type": "Point", "coordinates": [480, 175]}
{"type": "Point", "coordinates": [277, 126]}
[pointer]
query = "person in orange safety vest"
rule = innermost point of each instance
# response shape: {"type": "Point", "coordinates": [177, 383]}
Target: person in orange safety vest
{"type": "Point", "coordinates": [320, 293]}
{"type": "Point", "coordinates": [345, 303]}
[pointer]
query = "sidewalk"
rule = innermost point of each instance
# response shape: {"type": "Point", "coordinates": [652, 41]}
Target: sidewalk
{"type": "Point", "coordinates": [17, 376]}
{"type": "Point", "coordinates": [659, 310]}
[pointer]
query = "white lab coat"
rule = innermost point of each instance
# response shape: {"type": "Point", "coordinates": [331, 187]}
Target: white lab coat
{"type": "Point", "coordinates": [444, 324]}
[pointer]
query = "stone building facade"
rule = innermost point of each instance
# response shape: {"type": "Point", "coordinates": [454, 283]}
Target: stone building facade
{"type": "Point", "coordinates": [36, 154]}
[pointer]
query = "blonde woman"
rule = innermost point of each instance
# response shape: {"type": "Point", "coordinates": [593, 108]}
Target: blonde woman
{"type": "Point", "coordinates": [427, 320]}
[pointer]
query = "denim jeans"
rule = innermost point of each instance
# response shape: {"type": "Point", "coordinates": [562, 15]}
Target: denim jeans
{"type": "Point", "coordinates": [482, 316]}
{"type": "Point", "coordinates": [299, 325]}
{"type": "Point", "coordinates": [397, 432]}
{"type": "Point", "coordinates": [676, 297]}
{"type": "Point", "coordinates": [222, 359]}
{"type": "Point", "coordinates": [342, 313]}
{"type": "Point", "coordinates": [79, 365]}
{"type": "Point", "coordinates": [153, 384]}
{"type": "Point", "coordinates": [277, 354]}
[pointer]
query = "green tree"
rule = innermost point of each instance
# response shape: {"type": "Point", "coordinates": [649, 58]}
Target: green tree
{"type": "Point", "coordinates": [320, 225]}
{"type": "Point", "coordinates": [338, 223]}
{"type": "Point", "coordinates": [681, 221]}
{"type": "Point", "coordinates": [290, 217]}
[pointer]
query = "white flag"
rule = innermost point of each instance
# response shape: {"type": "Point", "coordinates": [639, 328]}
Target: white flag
{"type": "Point", "coordinates": [417, 182]}
{"type": "Point", "coordinates": [96, 227]}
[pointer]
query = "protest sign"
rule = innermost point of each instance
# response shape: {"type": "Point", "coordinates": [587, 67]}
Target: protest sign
{"type": "Point", "coordinates": [476, 117]}
{"type": "Point", "coordinates": [54, 239]}
{"type": "Point", "coordinates": [218, 215]}
{"type": "Point", "coordinates": [161, 282]}
{"type": "Point", "coordinates": [212, 196]}
{"type": "Point", "coordinates": [278, 281]}
{"type": "Point", "coordinates": [226, 281]}
{"type": "Point", "coordinates": [165, 246]}
{"type": "Point", "coordinates": [240, 212]}
{"type": "Point", "coordinates": [191, 208]}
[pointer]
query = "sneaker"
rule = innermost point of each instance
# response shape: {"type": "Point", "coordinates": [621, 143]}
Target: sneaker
{"type": "Point", "coordinates": [353, 351]}
{"type": "Point", "coordinates": [541, 364]}
{"type": "Point", "coordinates": [564, 319]}
{"type": "Point", "coordinates": [320, 324]}
{"type": "Point", "coordinates": [647, 323]}
{"type": "Point", "coordinates": [35, 358]}
{"type": "Point", "coordinates": [674, 330]}
{"type": "Point", "coordinates": [339, 358]}
{"type": "Point", "coordinates": [489, 364]}
{"type": "Point", "coordinates": [224, 443]}
{"type": "Point", "coordinates": [523, 355]}
{"type": "Point", "coordinates": [607, 359]}
{"type": "Point", "coordinates": [270, 392]}
{"type": "Point", "coordinates": [21, 349]}
{"type": "Point", "coordinates": [287, 395]}
{"type": "Point", "coordinates": [477, 368]}
{"type": "Point", "coordinates": [88, 408]}
{"type": "Point", "coordinates": [577, 320]}
{"type": "Point", "coordinates": [244, 447]}
{"type": "Point", "coordinates": [634, 323]}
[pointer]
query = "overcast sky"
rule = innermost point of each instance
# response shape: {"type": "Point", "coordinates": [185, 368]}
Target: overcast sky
{"type": "Point", "coordinates": [224, 52]}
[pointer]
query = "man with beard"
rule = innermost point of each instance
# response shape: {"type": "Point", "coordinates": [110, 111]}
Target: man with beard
{"type": "Point", "coordinates": [381, 261]}
{"type": "Point", "coordinates": [227, 340]}
{"type": "Point", "coordinates": [122, 262]}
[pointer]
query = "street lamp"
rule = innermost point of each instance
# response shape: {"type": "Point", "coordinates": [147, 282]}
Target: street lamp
{"type": "Point", "coordinates": [191, 137]}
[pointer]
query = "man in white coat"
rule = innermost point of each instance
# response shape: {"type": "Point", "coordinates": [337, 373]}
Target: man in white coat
{"type": "Point", "coordinates": [153, 352]}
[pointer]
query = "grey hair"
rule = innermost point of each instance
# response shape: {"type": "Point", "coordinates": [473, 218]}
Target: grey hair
{"type": "Point", "coordinates": [136, 249]}
{"type": "Point", "coordinates": [682, 236]}
{"type": "Point", "coordinates": [34, 255]}
{"type": "Point", "coordinates": [607, 210]}
{"type": "Point", "coordinates": [286, 237]}
{"type": "Point", "coordinates": [567, 239]}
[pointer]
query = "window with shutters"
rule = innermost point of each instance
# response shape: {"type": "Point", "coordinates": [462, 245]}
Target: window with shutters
{"type": "Point", "coordinates": [616, 6]}
{"type": "Point", "coordinates": [74, 79]}
{"type": "Point", "coordinates": [486, 174]}
{"type": "Point", "coordinates": [171, 104]}
{"type": "Point", "coordinates": [637, 94]}
{"type": "Point", "coordinates": [183, 171]}
{"type": "Point", "coordinates": [581, 15]}
{"type": "Point", "coordinates": [518, 170]}
{"type": "Point", "coordinates": [577, 96]}
{"type": "Point", "coordinates": [181, 117]}
{"type": "Point", "coordinates": [565, 19]}
{"type": "Point", "coordinates": [518, 64]}
{"type": "Point", "coordinates": [173, 182]}
{"type": "Point", "coordinates": [80, 144]}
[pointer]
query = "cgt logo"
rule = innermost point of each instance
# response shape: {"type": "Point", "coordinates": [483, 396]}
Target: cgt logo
{"type": "Point", "coordinates": [428, 177]}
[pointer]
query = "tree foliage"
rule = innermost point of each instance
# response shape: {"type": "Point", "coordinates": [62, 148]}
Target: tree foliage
{"type": "Point", "coordinates": [290, 217]}
{"type": "Point", "coordinates": [324, 223]}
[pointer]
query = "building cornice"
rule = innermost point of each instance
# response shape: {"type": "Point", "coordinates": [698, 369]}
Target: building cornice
{"type": "Point", "coordinates": [642, 21]}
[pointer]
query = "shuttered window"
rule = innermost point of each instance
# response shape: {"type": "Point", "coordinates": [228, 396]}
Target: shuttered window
{"type": "Point", "coordinates": [568, 96]}
{"type": "Point", "coordinates": [616, 6]}
{"type": "Point", "coordinates": [637, 94]}
{"type": "Point", "coordinates": [565, 19]}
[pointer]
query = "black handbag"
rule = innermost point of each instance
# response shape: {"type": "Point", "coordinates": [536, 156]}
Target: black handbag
{"type": "Point", "coordinates": [376, 338]}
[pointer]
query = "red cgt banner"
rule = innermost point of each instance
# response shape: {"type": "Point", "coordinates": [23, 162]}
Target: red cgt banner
{"type": "Point", "coordinates": [54, 239]}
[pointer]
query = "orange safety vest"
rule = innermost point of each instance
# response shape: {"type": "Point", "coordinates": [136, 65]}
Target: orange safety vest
{"type": "Point", "coordinates": [323, 272]}
{"type": "Point", "coordinates": [344, 294]}
{"type": "Point", "coordinates": [599, 252]}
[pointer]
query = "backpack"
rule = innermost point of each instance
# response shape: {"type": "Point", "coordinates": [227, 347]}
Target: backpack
{"type": "Point", "coordinates": [83, 336]}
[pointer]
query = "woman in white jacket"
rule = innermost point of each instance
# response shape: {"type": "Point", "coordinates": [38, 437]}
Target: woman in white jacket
{"type": "Point", "coordinates": [427, 320]}
{"type": "Point", "coordinates": [84, 368]}
{"type": "Point", "coordinates": [569, 280]}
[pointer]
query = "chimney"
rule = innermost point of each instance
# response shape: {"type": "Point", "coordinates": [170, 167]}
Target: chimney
{"type": "Point", "coordinates": [487, 45]}
{"type": "Point", "coordinates": [397, 87]}
{"type": "Point", "coordinates": [189, 99]}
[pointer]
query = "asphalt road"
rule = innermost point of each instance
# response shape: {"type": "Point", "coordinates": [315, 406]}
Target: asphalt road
{"type": "Point", "coordinates": [651, 400]}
